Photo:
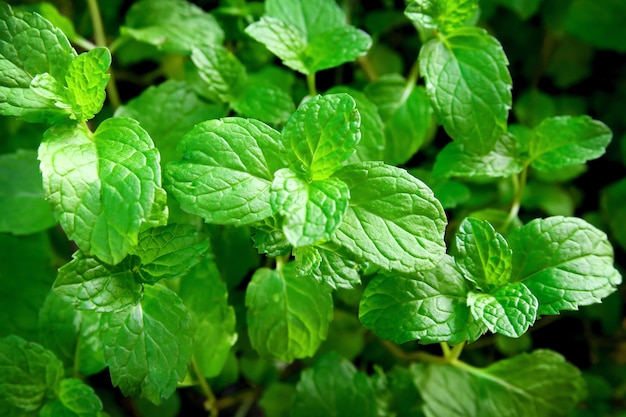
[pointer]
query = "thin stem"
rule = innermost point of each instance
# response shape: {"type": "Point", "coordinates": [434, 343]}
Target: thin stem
{"type": "Point", "coordinates": [310, 81]}
{"type": "Point", "coordinates": [455, 353]}
{"type": "Point", "coordinates": [366, 66]}
{"type": "Point", "coordinates": [445, 348]}
{"type": "Point", "coordinates": [519, 184]}
{"type": "Point", "coordinates": [414, 74]}
{"type": "Point", "coordinates": [210, 404]}
{"type": "Point", "coordinates": [101, 40]}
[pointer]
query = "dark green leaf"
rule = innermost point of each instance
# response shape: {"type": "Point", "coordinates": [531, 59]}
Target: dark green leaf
{"type": "Point", "coordinates": [612, 201]}
{"type": "Point", "coordinates": [276, 400]}
{"type": "Point", "coordinates": [234, 253]}
{"type": "Point", "coordinates": [524, 8]}
{"type": "Point", "coordinates": [597, 22]}
{"type": "Point", "coordinates": [79, 398]}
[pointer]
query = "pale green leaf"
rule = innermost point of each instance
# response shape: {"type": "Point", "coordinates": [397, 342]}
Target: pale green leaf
{"type": "Point", "coordinates": [322, 135]}
{"type": "Point", "coordinates": [529, 385]}
{"type": "Point", "coordinates": [393, 219]}
{"type": "Point", "coordinates": [564, 261]}
{"type": "Point", "coordinates": [86, 81]}
{"type": "Point", "coordinates": [335, 386]}
{"type": "Point", "coordinates": [310, 18]}
{"type": "Point", "coordinates": [482, 254]}
{"type": "Point", "coordinates": [79, 398]}
{"type": "Point", "coordinates": [469, 85]}
{"type": "Point", "coordinates": [102, 186]}
{"type": "Point", "coordinates": [335, 47]}
{"type": "Point", "coordinates": [429, 306]}
{"type": "Point", "coordinates": [441, 15]}
{"type": "Point", "coordinates": [23, 207]}
{"type": "Point", "coordinates": [226, 172]}
{"type": "Point", "coordinates": [220, 71]}
{"type": "Point", "coordinates": [288, 317]}
{"type": "Point", "coordinates": [263, 101]}
{"type": "Point", "coordinates": [311, 212]}
{"type": "Point", "coordinates": [147, 347]}
{"type": "Point", "coordinates": [509, 311]}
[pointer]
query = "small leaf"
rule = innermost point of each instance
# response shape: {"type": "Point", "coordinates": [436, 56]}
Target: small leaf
{"type": "Point", "coordinates": [227, 170]}
{"type": "Point", "coordinates": [393, 219]}
{"type": "Point", "coordinates": [79, 398]}
{"type": "Point", "coordinates": [466, 74]}
{"type": "Point", "coordinates": [270, 241]}
{"type": "Point", "coordinates": [263, 101]}
{"type": "Point", "coordinates": [332, 269]}
{"type": "Point", "coordinates": [220, 71]}
{"type": "Point", "coordinates": [335, 47]}
{"type": "Point", "coordinates": [288, 317]}
{"type": "Point", "coordinates": [429, 307]}
{"type": "Point", "coordinates": [86, 80]}
{"type": "Point", "coordinates": [564, 261]}
{"type": "Point", "coordinates": [311, 211]}
{"type": "Point", "coordinates": [321, 135]}
{"type": "Point", "coordinates": [147, 347]}
{"type": "Point", "coordinates": [509, 311]}
{"type": "Point", "coordinates": [442, 15]}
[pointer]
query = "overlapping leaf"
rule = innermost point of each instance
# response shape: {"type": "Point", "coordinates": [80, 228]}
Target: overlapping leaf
{"type": "Point", "coordinates": [442, 15]}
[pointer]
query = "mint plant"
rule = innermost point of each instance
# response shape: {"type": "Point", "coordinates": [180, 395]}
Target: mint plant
{"type": "Point", "coordinates": [275, 220]}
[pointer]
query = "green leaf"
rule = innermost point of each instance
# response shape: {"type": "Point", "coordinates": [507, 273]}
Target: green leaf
{"type": "Point", "coordinates": [23, 207]}
{"type": "Point", "coordinates": [86, 80]}
{"type": "Point", "coordinates": [565, 140]}
{"type": "Point", "coordinates": [393, 219]}
{"type": "Point", "coordinates": [276, 400]}
{"type": "Point", "coordinates": [205, 296]}
{"type": "Point", "coordinates": [90, 284]}
{"type": "Point", "coordinates": [533, 384]}
{"type": "Point", "coordinates": [322, 135]}
{"type": "Point", "coordinates": [226, 173]}
{"type": "Point", "coordinates": [311, 212]}
{"type": "Point", "coordinates": [234, 253]}
{"type": "Point", "coordinates": [455, 160]}
{"type": "Point", "coordinates": [327, 267]}
{"type": "Point", "coordinates": [30, 45]}
{"type": "Point", "coordinates": [564, 261]}
{"type": "Point", "coordinates": [220, 71]}
{"type": "Point", "coordinates": [147, 347]}
{"type": "Point", "coordinates": [168, 111]}
{"type": "Point", "coordinates": [310, 18]}
{"type": "Point", "coordinates": [598, 23]}
{"type": "Point", "coordinates": [482, 254]}
{"type": "Point", "coordinates": [169, 251]}
{"type": "Point", "coordinates": [469, 85]}
{"type": "Point", "coordinates": [335, 47]}
{"type": "Point", "coordinates": [79, 398]}
{"type": "Point", "coordinates": [30, 375]}
{"type": "Point", "coordinates": [611, 200]}
{"type": "Point", "coordinates": [288, 317]}
{"type": "Point", "coordinates": [524, 8]}
{"type": "Point", "coordinates": [335, 386]}
{"type": "Point", "coordinates": [264, 101]}
{"type": "Point", "coordinates": [510, 310]}
{"type": "Point", "coordinates": [442, 15]}
{"type": "Point", "coordinates": [102, 186]}
{"type": "Point", "coordinates": [173, 26]}
{"type": "Point", "coordinates": [429, 306]}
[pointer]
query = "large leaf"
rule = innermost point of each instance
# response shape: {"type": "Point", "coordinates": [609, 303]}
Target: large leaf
{"type": "Point", "coordinates": [429, 307]}
{"type": "Point", "coordinates": [597, 22]}
{"type": "Point", "coordinates": [564, 261]}
{"type": "Point", "coordinates": [393, 219]}
{"type": "Point", "coordinates": [288, 317]}
{"type": "Point", "coordinates": [469, 85]}
{"type": "Point", "coordinates": [102, 186]}
{"type": "Point", "coordinates": [310, 18]}
{"type": "Point", "coordinates": [147, 347]}
{"type": "Point", "coordinates": [227, 170]}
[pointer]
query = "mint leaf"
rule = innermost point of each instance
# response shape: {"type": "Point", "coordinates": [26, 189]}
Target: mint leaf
{"type": "Point", "coordinates": [288, 317]}
{"type": "Point", "coordinates": [442, 15]}
{"type": "Point", "coordinates": [429, 306]}
{"type": "Point", "coordinates": [321, 135]}
{"type": "Point", "coordinates": [334, 385]}
{"type": "Point", "coordinates": [611, 199]}
{"type": "Point", "coordinates": [20, 187]}
{"type": "Point", "coordinates": [310, 18]}
{"type": "Point", "coordinates": [482, 254]}
{"type": "Point", "coordinates": [327, 267]}
{"type": "Point", "coordinates": [566, 140]}
{"type": "Point", "coordinates": [597, 23]}
{"type": "Point", "coordinates": [173, 26]}
{"type": "Point", "coordinates": [509, 311]}
{"type": "Point", "coordinates": [89, 284]}
{"type": "Point", "coordinates": [79, 398]}
{"type": "Point", "coordinates": [227, 170]}
{"type": "Point", "coordinates": [86, 80]}
{"type": "Point", "coordinates": [533, 384]}
{"type": "Point", "coordinates": [91, 179]}
{"type": "Point", "coordinates": [312, 211]}
{"type": "Point", "coordinates": [466, 74]}
{"type": "Point", "coordinates": [30, 45]}
{"type": "Point", "coordinates": [564, 261]}
{"type": "Point", "coordinates": [264, 101]}
{"type": "Point", "coordinates": [30, 375]}
{"type": "Point", "coordinates": [270, 241]}
{"type": "Point", "coordinates": [169, 251]}
{"type": "Point", "coordinates": [335, 47]}
{"type": "Point", "coordinates": [206, 298]}
{"type": "Point", "coordinates": [393, 219]}
{"type": "Point", "coordinates": [220, 71]}
{"type": "Point", "coordinates": [147, 347]}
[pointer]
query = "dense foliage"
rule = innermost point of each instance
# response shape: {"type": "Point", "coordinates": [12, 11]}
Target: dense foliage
{"type": "Point", "coordinates": [310, 208]}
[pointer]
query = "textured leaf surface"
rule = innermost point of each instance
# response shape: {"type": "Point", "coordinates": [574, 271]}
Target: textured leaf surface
{"type": "Point", "coordinates": [529, 385]}
{"type": "Point", "coordinates": [102, 186]}
{"type": "Point", "coordinates": [322, 134]}
{"type": "Point", "coordinates": [79, 398]}
{"type": "Point", "coordinates": [86, 80]}
{"type": "Point", "coordinates": [147, 347]}
{"type": "Point", "coordinates": [563, 141]}
{"type": "Point", "coordinates": [311, 211]}
{"type": "Point", "coordinates": [220, 70]}
{"type": "Point", "coordinates": [288, 317]}
{"type": "Point", "coordinates": [443, 15]}
{"type": "Point", "coordinates": [429, 307]}
{"type": "Point", "coordinates": [335, 386]}
{"type": "Point", "coordinates": [564, 261]}
{"type": "Point", "coordinates": [30, 45]}
{"type": "Point", "coordinates": [330, 268]}
{"type": "Point", "coordinates": [30, 375]}
{"type": "Point", "coordinates": [310, 18]}
{"type": "Point", "coordinates": [227, 170]}
{"type": "Point", "coordinates": [335, 47]}
{"type": "Point", "coordinates": [263, 101]}
{"type": "Point", "coordinates": [23, 207]}
{"type": "Point", "coordinates": [466, 74]}
{"type": "Point", "coordinates": [393, 219]}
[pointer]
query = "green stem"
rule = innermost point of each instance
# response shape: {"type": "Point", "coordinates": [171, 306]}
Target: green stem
{"type": "Point", "coordinates": [445, 348]}
{"type": "Point", "coordinates": [455, 353]}
{"type": "Point", "coordinates": [310, 81]}
{"type": "Point", "coordinates": [519, 185]}
{"type": "Point", "coordinates": [414, 74]}
{"type": "Point", "coordinates": [101, 40]}
{"type": "Point", "coordinates": [211, 403]}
